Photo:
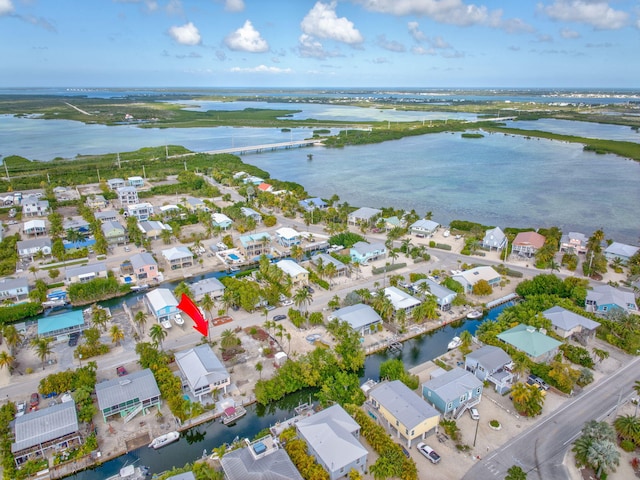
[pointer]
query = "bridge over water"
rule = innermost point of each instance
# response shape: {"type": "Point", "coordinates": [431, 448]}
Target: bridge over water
{"type": "Point", "coordinates": [258, 148]}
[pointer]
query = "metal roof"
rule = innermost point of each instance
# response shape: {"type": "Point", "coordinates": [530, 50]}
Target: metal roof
{"type": "Point", "coordinates": [45, 425]}
{"type": "Point", "coordinates": [453, 384]}
{"type": "Point", "coordinates": [403, 403]}
{"type": "Point", "coordinates": [358, 316]}
{"type": "Point", "coordinates": [241, 465]}
{"type": "Point", "coordinates": [82, 269]}
{"type": "Point", "coordinates": [201, 367]}
{"type": "Point", "coordinates": [291, 268]}
{"type": "Point", "coordinates": [161, 298]}
{"type": "Point", "coordinates": [140, 260]}
{"type": "Point", "coordinates": [490, 357]}
{"type": "Point", "coordinates": [566, 319]}
{"type": "Point", "coordinates": [529, 340]}
{"type": "Point", "coordinates": [400, 299]}
{"type": "Point", "coordinates": [62, 321]}
{"type": "Point", "coordinates": [175, 253]}
{"type": "Point", "coordinates": [141, 385]}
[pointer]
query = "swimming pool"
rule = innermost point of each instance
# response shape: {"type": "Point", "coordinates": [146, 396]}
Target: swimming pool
{"type": "Point", "coordinates": [233, 256]}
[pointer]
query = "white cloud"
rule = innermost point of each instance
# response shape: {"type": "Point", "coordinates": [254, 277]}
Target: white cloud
{"type": "Point", "coordinates": [452, 12]}
{"type": "Point", "coordinates": [311, 48]}
{"type": "Point", "coordinates": [234, 5]}
{"type": "Point", "coordinates": [322, 22]}
{"type": "Point", "coordinates": [174, 7]}
{"type": "Point", "coordinates": [568, 33]}
{"type": "Point", "coordinates": [151, 5]}
{"type": "Point", "coordinates": [390, 45]}
{"type": "Point", "coordinates": [261, 69]}
{"type": "Point", "coordinates": [417, 34]}
{"type": "Point", "coordinates": [420, 50]}
{"type": "Point", "coordinates": [6, 7]}
{"type": "Point", "coordinates": [436, 43]}
{"type": "Point", "coordinates": [596, 13]}
{"type": "Point", "coordinates": [186, 34]}
{"type": "Point", "coordinates": [246, 39]}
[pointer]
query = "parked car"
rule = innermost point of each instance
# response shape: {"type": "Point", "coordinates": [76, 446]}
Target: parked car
{"type": "Point", "coordinates": [309, 289]}
{"type": "Point", "coordinates": [73, 339]}
{"type": "Point", "coordinates": [121, 371]}
{"type": "Point", "coordinates": [429, 452]}
{"type": "Point", "coordinates": [405, 451]}
{"type": "Point", "coordinates": [270, 307]}
{"type": "Point", "coordinates": [287, 302]}
{"type": "Point", "coordinates": [533, 379]}
{"type": "Point", "coordinates": [474, 413]}
{"type": "Point", "coordinates": [35, 400]}
{"type": "Point", "coordinates": [21, 407]}
{"type": "Point", "coordinates": [277, 318]}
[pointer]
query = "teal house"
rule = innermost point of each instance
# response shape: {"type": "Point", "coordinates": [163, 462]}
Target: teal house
{"type": "Point", "coordinates": [538, 346]}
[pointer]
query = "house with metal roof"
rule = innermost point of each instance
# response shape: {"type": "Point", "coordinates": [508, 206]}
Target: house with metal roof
{"type": "Point", "coordinates": [260, 460]}
{"type": "Point", "coordinates": [340, 268]}
{"type": "Point", "coordinates": [401, 300]}
{"type": "Point", "coordinates": [15, 289]}
{"type": "Point", "coordinates": [363, 252]}
{"type": "Point", "coordinates": [30, 248]}
{"type": "Point", "coordinates": [469, 278]}
{"type": "Point", "coordinates": [567, 323]}
{"type": "Point", "coordinates": [115, 183]}
{"type": "Point", "coordinates": [178, 257]}
{"type": "Point", "coordinates": [153, 229]}
{"type": "Point", "coordinates": [127, 195]}
{"type": "Point", "coordinates": [538, 346]}
{"type": "Point", "coordinates": [444, 297]}
{"type": "Point", "coordinates": [360, 317]}
{"type": "Point", "coordinates": [408, 416]}
{"type": "Point", "coordinates": [32, 206]}
{"type": "Point", "coordinates": [527, 243]}
{"type": "Point", "coordinates": [620, 251]}
{"type": "Point", "coordinates": [255, 244]}
{"type": "Point", "coordinates": [221, 220]}
{"type": "Point", "coordinates": [161, 303]}
{"type": "Point", "coordinates": [311, 204]}
{"type": "Point", "coordinates": [299, 275]}
{"type": "Point", "coordinates": [202, 372]}
{"type": "Point", "coordinates": [77, 224]}
{"type": "Point", "coordinates": [86, 273]}
{"type": "Point", "coordinates": [604, 298]}
{"type": "Point", "coordinates": [423, 227]}
{"type": "Point", "coordinates": [196, 204]}
{"type": "Point", "coordinates": [106, 216]}
{"type": "Point", "coordinates": [251, 213]}
{"type": "Point", "coordinates": [144, 266]}
{"type": "Point", "coordinates": [573, 242]}
{"type": "Point", "coordinates": [491, 364]}
{"type": "Point", "coordinates": [142, 211]}
{"type": "Point", "coordinates": [35, 227]}
{"type": "Point", "coordinates": [288, 237]}
{"type": "Point", "coordinates": [452, 392]}
{"type": "Point", "coordinates": [207, 286]}
{"type": "Point", "coordinates": [96, 202]}
{"type": "Point", "coordinates": [494, 238]}
{"type": "Point", "coordinates": [128, 395]}
{"type": "Point", "coordinates": [332, 437]}
{"type": "Point", "coordinates": [135, 181]}
{"type": "Point", "coordinates": [114, 233]}
{"type": "Point", "coordinates": [45, 431]}
{"type": "Point", "coordinates": [61, 324]}
{"type": "Point", "coordinates": [362, 216]}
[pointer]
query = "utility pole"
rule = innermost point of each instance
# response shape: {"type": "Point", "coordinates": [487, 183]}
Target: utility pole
{"type": "Point", "coordinates": [144, 173]}
{"type": "Point", "coordinates": [6, 169]}
{"type": "Point", "coordinates": [98, 170]}
{"type": "Point", "coordinates": [119, 166]}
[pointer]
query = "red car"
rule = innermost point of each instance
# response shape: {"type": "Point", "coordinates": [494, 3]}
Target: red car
{"type": "Point", "coordinates": [35, 400]}
{"type": "Point", "coordinates": [121, 371]}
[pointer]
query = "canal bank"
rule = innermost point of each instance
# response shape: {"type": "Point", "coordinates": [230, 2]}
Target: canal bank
{"type": "Point", "coordinates": [204, 437]}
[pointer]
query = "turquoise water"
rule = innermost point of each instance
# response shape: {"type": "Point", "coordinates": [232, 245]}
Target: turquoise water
{"type": "Point", "coordinates": [496, 180]}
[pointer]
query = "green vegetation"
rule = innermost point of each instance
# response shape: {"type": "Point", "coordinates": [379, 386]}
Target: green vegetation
{"type": "Point", "coordinates": [393, 369]}
{"type": "Point", "coordinates": [19, 311]}
{"type": "Point", "coordinates": [596, 448]}
{"type": "Point", "coordinates": [346, 239]}
{"type": "Point", "coordinates": [472, 135]}
{"type": "Point", "coordinates": [96, 290]}
{"type": "Point", "coordinates": [8, 254]}
{"type": "Point", "coordinates": [305, 463]}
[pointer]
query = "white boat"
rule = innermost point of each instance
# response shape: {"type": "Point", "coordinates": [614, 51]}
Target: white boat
{"type": "Point", "coordinates": [131, 473]}
{"type": "Point", "coordinates": [166, 324]}
{"type": "Point", "coordinates": [231, 414]}
{"type": "Point", "coordinates": [164, 440]}
{"type": "Point", "coordinates": [454, 343]}
{"type": "Point", "coordinates": [178, 319]}
{"type": "Point", "coordinates": [139, 288]}
{"type": "Point", "coordinates": [54, 303]}
{"type": "Point", "coordinates": [474, 314]}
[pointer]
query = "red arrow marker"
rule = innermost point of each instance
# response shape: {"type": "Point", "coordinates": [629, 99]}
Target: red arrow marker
{"type": "Point", "coordinates": [190, 308]}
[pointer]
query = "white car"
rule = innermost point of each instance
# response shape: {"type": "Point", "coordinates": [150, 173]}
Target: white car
{"type": "Point", "coordinates": [288, 302]}
{"type": "Point", "coordinates": [166, 324]}
{"type": "Point", "coordinates": [21, 407]}
{"type": "Point", "coordinates": [474, 413]}
{"type": "Point", "coordinates": [429, 452]}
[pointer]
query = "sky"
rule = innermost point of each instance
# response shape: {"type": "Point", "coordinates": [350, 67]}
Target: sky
{"type": "Point", "coordinates": [325, 43]}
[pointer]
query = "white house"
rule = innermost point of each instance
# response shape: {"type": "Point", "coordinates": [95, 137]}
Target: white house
{"type": "Point", "coordinates": [401, 300]}
{"type": "Point", "coordinates": [142, 211]}
{"type": "Point", "coordinates": [127, 195]}
{"type": "Point", "coordinates": [621, 252]}
{"type": "Point", "coordinates": [362, 318]}
{"type": "Point", "coordinates": [287, 237]}
{"type": "Point", "coordinates": [14, 288]}
{"type": "Point", "coordinates": [494, 238]}
{"type": "Point", "coordinates": [424, 227]}
{"type": "Point", "coordinates": [363, 215]}
{"type": "Point", "coordinates": [30, 248]}
{"type": "Point", "coordinates": [469, 278]}
{"type": "Point", "coordinates": [202, 371]}
{"type": "Point", "coordinates": [178, 257]}
{"type": "Point", "coordinates": [161, 303]}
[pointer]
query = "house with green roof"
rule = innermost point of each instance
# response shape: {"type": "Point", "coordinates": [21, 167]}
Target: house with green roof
{"type": "Point", "coordinates": [538, 346]}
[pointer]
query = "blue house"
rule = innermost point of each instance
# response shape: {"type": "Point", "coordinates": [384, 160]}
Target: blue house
{"type": "Point", "coordinates": [452, 392]}
{"type": "Point", "coordinates": [312, 203]}
{"type": "Point", "coordinates": [362, 252]}
{"type": "Point", "coordinates": [162, 304]}
{"type": "Point", "coordinates": [604, 298]}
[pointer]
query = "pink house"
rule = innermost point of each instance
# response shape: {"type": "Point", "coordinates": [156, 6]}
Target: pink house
{"type": "Point", "coordinates": [144, 267]}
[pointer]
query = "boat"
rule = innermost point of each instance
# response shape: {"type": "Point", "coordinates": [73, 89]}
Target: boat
{"type": "Point", "coordinates": [139, 288]}
{"type": "Point", "coordinates": [231, 414]}
{"type": "Point", "coordinates": [454, 343]}
{"type": "Point", "coordinates": [54, 303]}
{"type": "Point", "coordinates": [12, 213]}
{"type": "Point", "coordinates": [475, 314]}
{"type": "Point", "coordinates": [178, 319]}
{"type": "Point", "coordinates": [131, 473]}
{"type": "Point", "coordinates": [166, 324]}
{"type": "Point", "coordinates": [164, 440]}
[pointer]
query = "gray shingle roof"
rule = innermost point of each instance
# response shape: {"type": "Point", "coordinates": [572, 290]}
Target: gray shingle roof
{"type": "Point", "coordinates": [91, 268]}
{"type": "Point", "coordinates": [566, 319]}
{"type": "Point", "coordinates": [241, 465]}
{"type": "Point", "coordinates": [45, 425]}
{"type": "Point", "coordinates": [141, 385]}
{"type": "Point", "coordinates": [404, 404]}
{"type": "Point", "coordinates": [143, 259]}
{"type": "Point", "coordinates": [490, 357]}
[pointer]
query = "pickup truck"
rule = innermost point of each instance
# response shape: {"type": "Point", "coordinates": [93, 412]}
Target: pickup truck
{"type": "Point", "coordinates": [429, 452]}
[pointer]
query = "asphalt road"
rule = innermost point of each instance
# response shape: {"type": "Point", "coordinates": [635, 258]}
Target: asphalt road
{"type": "Point", "coordinates": [540, 450]}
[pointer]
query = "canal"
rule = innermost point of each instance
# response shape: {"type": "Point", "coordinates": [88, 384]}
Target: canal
{"type": "Point", "coordinates": [210, 435]}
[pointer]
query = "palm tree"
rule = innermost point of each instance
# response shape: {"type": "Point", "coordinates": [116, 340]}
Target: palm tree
{"type": "Point", "coordinates": [297, 252]}
{"type": "Point", "coordinates": [6, 360]}
{"type": "Point", "coordinates": [99, 317]}
{"type": "Point", "coordinates": [117, 335]}
{"type": "Point", "coordinates": [12, 336]}
{"type": "Point", "coordinates": [166, 235]}
{"type": "Point", "coordinates": [208, 303]}
{"type": "Point", "coordinates": [42, 347]}
{"type": "Point", "coordinates": [603, 355]}
{"type": "Point", "coordinates": [228, 339]}
{"type": "Point", "coordinates": [33, 269]}
{"type": "Point", "coordinates": [467, 339]}
{"type": "Point", "coordinates": [330, 271]}
{"type": "Point", "coordinates": [157, 334]}
{"type": "Point", "coordinates": [259, 367]}
{"type": "Point", "coordinates": [182, 288]}
{"type": "Point", "coordinates": [140, 320]}
{"type": "Point", "coordinates": [628, 427]}
{"type": "Point", "coordinates": [393, 254]}
{"type": "Point", "coordinates": [303, 298]}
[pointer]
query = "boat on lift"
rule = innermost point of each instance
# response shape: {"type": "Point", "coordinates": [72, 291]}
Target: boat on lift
{"type": "Point", "coordinates": [454, 343]}
{"type": "Point", "coordinates": [164, 440]}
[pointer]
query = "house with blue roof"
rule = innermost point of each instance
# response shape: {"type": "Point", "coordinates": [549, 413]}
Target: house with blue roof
{"type": "Point", "coordinates": [605, 298]}
{"type": "Point", "coordinates": [61, 324]}
{"type": "Point", "coordinates": [252, 214]}
{"type": "Point", "coordinates": [538, 346]}
{"type": "Point", "coordinates": [311, 204]}
{"type": "Point", "coordinates": [452, 392]}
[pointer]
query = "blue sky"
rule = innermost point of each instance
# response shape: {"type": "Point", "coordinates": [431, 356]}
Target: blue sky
{"type": "Point", "coordinates": [346, 43]}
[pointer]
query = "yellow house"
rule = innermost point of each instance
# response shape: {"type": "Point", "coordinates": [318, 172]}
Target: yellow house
{"type": "Point", "coordinates": [299, 276]}
{"type": "Point", "coordinates": [407, 416]}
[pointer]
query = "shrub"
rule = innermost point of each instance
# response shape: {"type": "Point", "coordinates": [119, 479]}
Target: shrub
{"type": "Point", "coordinates": [494, 423]}
{"type": "Point", "coordinates": [627, 445]}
